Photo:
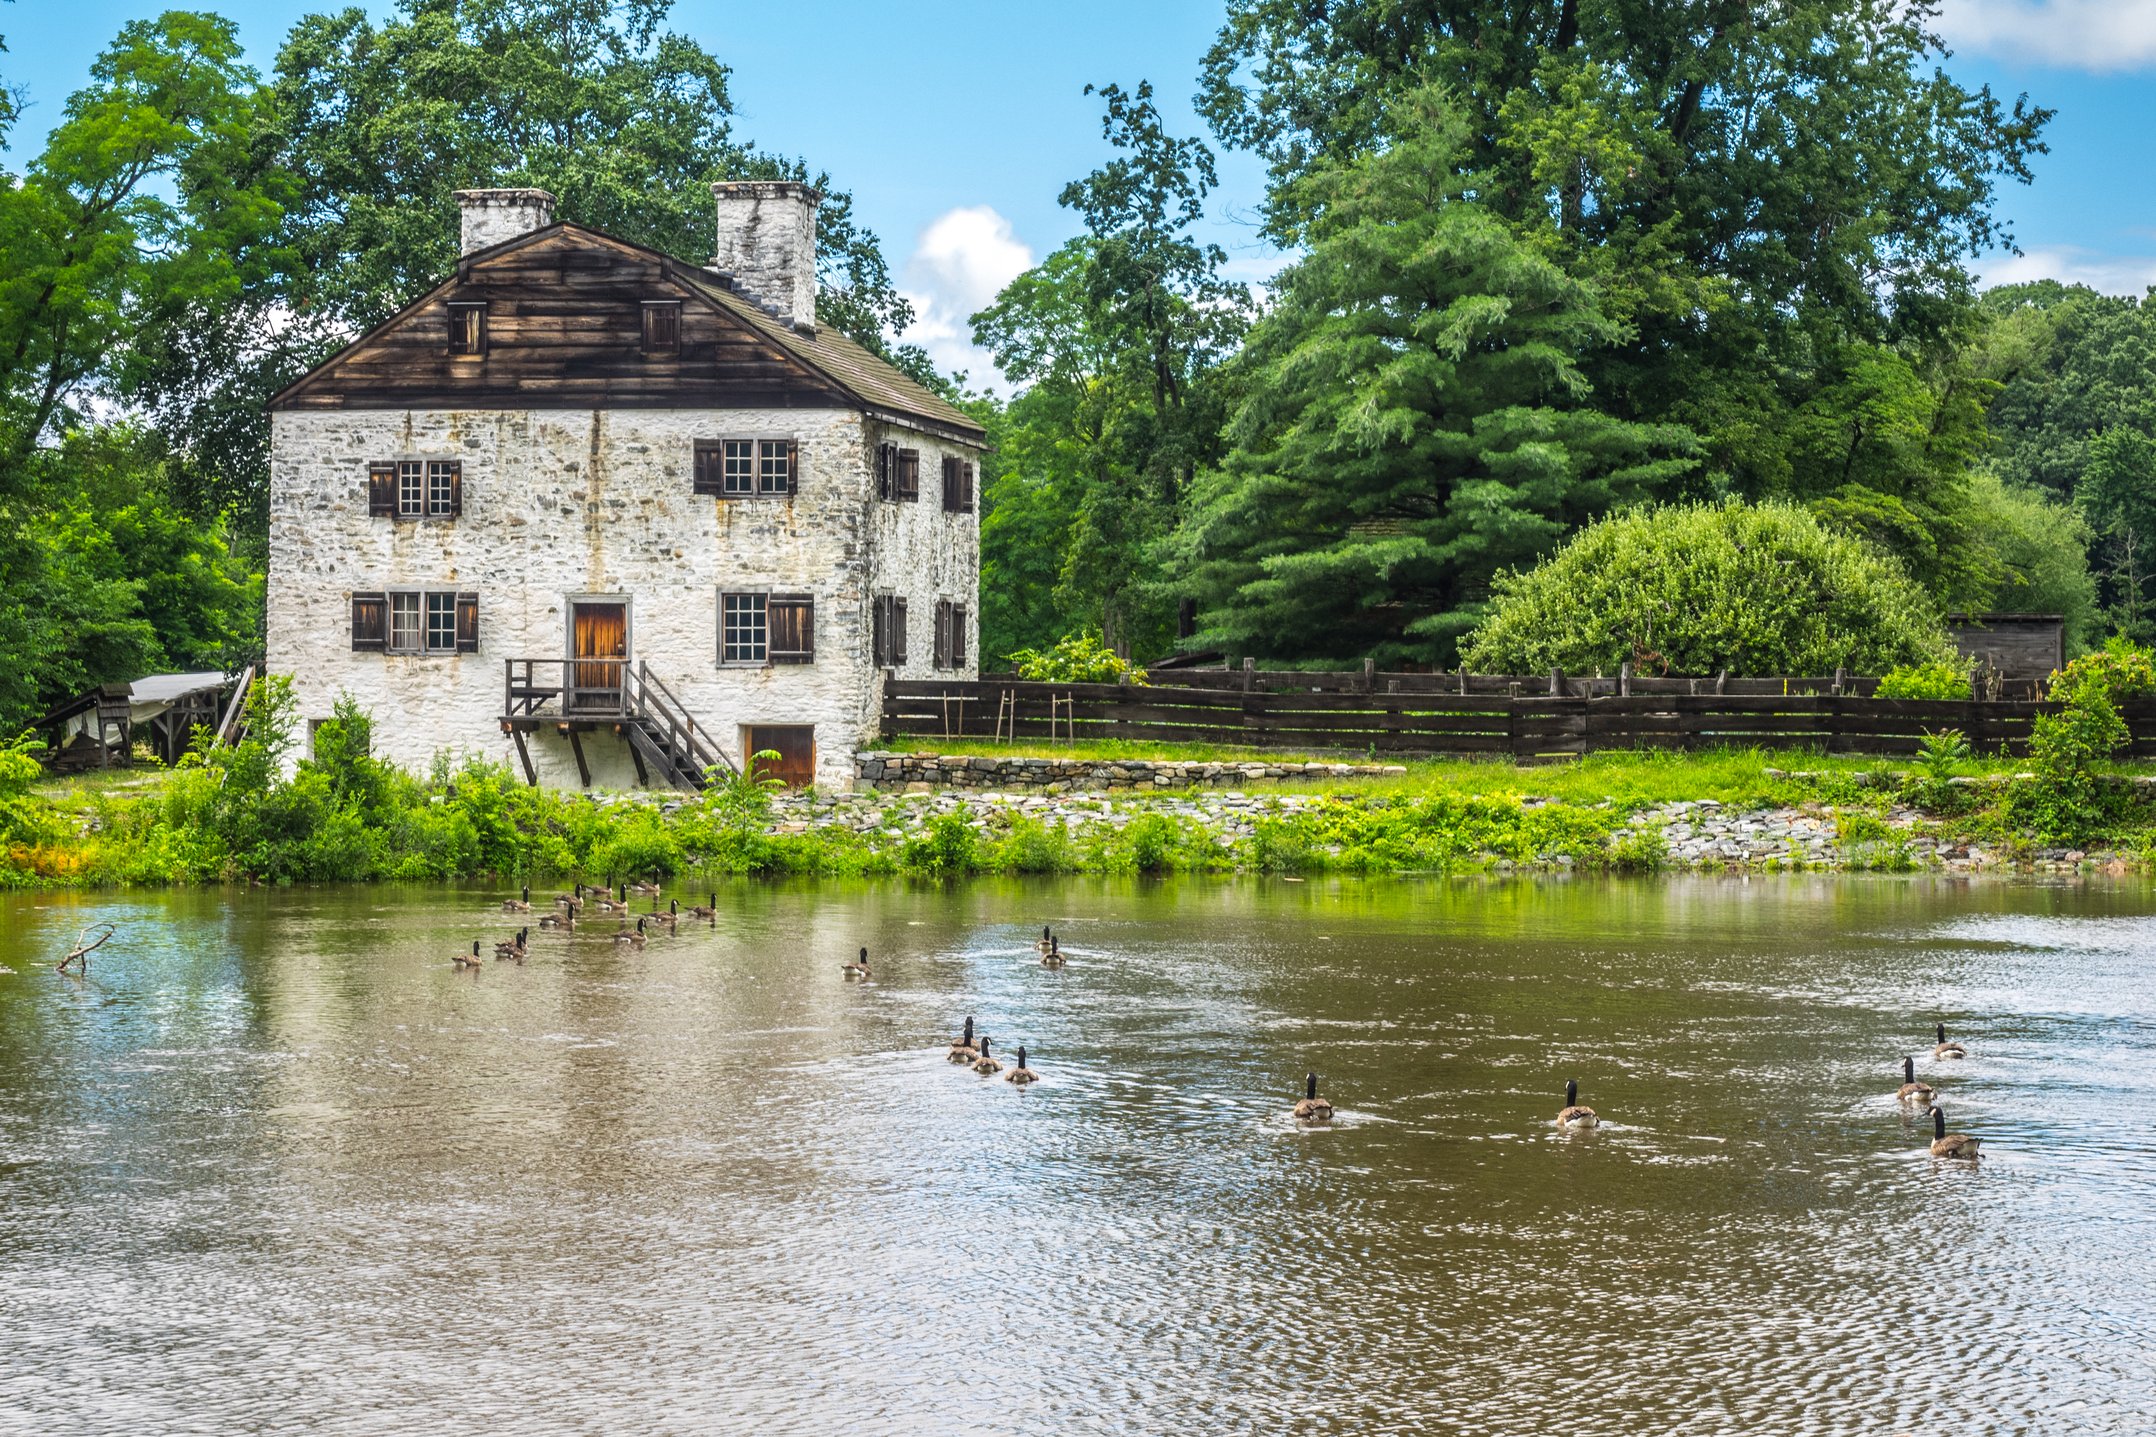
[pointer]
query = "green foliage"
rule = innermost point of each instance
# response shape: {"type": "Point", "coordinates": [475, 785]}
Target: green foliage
{"type": "Point", "coordinates": [2036, 556]}
{"type": "Point", "coordinates": [1076, 659]}
{"type": "Point", "coordinates": [1693, 589]}
{"type": "Point", "coordinates": [1939, 679]}
{"type": "Point", "coordinates": [1942, 753]}
{"type": "Point", "coordinates": [2069, 800]}
{"type": "Point", "coordinates": [948, 847]}
{"type": "Point", "coordinates": [1417, 417]}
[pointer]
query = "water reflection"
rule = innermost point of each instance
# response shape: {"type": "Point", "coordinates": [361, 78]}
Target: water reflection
{"type": "Point", "coordinates": [275, 1163]}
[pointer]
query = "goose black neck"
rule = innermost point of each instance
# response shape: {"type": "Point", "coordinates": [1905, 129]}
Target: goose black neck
{"type": "Point", "coordinates": [864, 957]}
{"type": "Point", "coordinates": [1310, 1085]}
{"type": "Point", "coordinates": [984, 1047]}
{"type": "Point", "coordinates": [1908, 1070]}
{"type": "Point", "coordinates": [1045, 934]}
{"type": "Point", "coordinates": [1941, 1031]}
{"type": "Point", "coordinates": [1021, 1055]}
{"type": "Point", "coordinates": [1938, 1122]}
{"type": "Point", "coordinates": [969, 1030]}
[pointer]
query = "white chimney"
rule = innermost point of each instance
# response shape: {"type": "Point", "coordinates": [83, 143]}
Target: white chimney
{"type": "Point", "coordinates": [491, 216]}
{"type": "Point", "coordinates": [767, 243]}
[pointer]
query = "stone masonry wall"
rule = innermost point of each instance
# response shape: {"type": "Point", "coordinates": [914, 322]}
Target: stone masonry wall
{"type": "Point", "coordinates": [576, 503]}
{"type": "Point", "coordinates": [916, 772]}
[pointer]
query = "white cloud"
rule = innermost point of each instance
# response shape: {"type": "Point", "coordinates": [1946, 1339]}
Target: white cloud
{"type": "Point", "coordinates": [2083, 34]}
{"type": "Point", "coordinates": [2071, 264]}
{"type": "Point", "coordinates": [959, 264]}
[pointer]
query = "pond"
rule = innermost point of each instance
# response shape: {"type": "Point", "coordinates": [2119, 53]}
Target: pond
{"type": "Point", "coordinates": [276, 1164]}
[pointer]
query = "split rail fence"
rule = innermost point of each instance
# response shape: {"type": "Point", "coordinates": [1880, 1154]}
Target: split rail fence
{"type": "Point", "coordinates": [1526, 719]}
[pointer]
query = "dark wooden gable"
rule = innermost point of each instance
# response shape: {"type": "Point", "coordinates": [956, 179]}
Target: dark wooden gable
{"type": "Point", "coordinates": [565, 330]}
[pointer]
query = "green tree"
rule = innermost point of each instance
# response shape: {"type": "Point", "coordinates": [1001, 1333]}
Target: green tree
{"type": "Point", "coordinates": [2117, 491]}
{"type": "Point", "coordinates": [2039, 555]}
{"type": "Point", "coordinates": [1695, 589]}
{"type": "Point", "coordinates": [1416, 416]}
{"type": "Point", "coordinates": [1118, 338]}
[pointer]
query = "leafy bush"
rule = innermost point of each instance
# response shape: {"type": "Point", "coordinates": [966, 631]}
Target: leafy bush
{"type": "Point", "coordinates": [1936, 680]}
{"type": "Point", "coordinates": [1079, 658]}
{"type": "Point", "coordinates": [2068, 801]}
{"type": "Point", "coordinates": [1756, 589]}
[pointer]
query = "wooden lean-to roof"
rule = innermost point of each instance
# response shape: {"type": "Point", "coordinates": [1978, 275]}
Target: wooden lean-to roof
{"type": "Point", "coordinates": [564, 330]}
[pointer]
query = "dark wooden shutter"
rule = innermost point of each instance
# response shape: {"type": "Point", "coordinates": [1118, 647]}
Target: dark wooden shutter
{"type": "Point", "coordinates": [950, 483]}
{"type": "Point", "coordinates": [943, 634]}
{"type": "Point", "coordinates": [898, 632]}
{"type": "Point", "coordinates": [883, 470]}
{"type": "Point", "coordinates": [382, 490]}
{"type": "Point", "coordinates": [965, 487]}
{"type": "Point", "coordinates": [909, 474]}
{"type": "Point", "coordinates": [456, 489]}
{"type": "Point", "coordinates": [467, 623]}
{"type": "Point", "coordinates": [958, 636]}
{"type": "Point", "coordinates": [710, 467]}
{"type": "Point", "coordinates": [879, 642]}
{"type": "Point", "coordinates": [793, 467]}
{"type": "Point", "coordinates": [790, 629]}
{"type": "Point", "coordinates": [370, 622]}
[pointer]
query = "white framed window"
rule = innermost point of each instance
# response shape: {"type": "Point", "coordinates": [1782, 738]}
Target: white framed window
{"type": "Point", "coordinates": [743, 629]}
{"type": "Point", "coordinates": [441, 487]}
{"type": "Point", "coordinates": [404, 622]}
{"type": "Point", "coordinates": [416, 621]}
{"type": "Point", "coordinates": [745, 468]}
{"type": "Point", "coordinates": [416, 488]}
{"type": "Point", "coordinates": [441, 623]}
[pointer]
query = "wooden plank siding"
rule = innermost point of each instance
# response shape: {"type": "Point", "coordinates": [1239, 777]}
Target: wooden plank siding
{"type": "Point", "coordinates": [1526, 727]}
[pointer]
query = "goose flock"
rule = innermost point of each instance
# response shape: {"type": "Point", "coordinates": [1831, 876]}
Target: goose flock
{"type": "Point", "coordinates": [972, 1048]}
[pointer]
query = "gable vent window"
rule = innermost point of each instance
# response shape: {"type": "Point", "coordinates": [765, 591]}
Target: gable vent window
{"type": "Point", "coordinates": [415, 621]}
{"type": "Point", "coordinates": [888, 631]}
{"type": "Point", "coordinates": [950, 635]}
{"type": "Point", "coordinates": [467, 329]}
{"type": "Point", "coordinates": [416, 489]}
{"type": "Point", "coordinates": [957, 486]}
{"type": "Point", "coordinates": [662, 327]}
{"type": "Point", "coordinates": [746, 468]}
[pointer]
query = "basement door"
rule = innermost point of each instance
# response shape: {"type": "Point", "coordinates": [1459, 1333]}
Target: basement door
{"type": "Point", "coordinates": [599, 645]}
{"type": "Point", "coordinates": [795, 744]}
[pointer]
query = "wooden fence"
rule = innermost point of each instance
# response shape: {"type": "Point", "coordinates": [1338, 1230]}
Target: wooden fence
{"type": "Point", "coordinates": [1524, 726]}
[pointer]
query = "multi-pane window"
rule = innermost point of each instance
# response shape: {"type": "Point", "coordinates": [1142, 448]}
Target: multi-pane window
{"type": "Point", "coordinates": [745, 468]}
{"type": "Point", "coordinates": [742, 631]}
{"type": "Point", "coordinates": [416, 621]}
{"type": "Point", "coordinates": [416, 489]}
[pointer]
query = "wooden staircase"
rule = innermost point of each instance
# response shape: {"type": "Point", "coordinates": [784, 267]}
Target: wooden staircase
{"type": "Point", "coordinates": [582, 695]}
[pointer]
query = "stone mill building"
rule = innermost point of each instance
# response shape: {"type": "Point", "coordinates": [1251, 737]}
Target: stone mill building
{"type": "Point", "coordinates": [615, 518]}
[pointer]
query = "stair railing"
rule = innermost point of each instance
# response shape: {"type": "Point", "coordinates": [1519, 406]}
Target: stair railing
{"type": "Point", "coordinates": [686, 740]}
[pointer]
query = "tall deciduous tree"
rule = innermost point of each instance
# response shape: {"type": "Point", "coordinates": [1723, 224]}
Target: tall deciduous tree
{"type": "Point", "coordinates": [1417, 417]}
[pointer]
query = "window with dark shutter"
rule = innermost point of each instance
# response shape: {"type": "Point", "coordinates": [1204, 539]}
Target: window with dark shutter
{"type": "Point", "coordinates": [886, 461]}
{"type": "Point", "coordinates": [662, 327]}
{"type": "Point", "coordinates": [906, 483]}
{"type": "Point", "coordinates": [467, 623]}
{"type": "Point", "coordinates": [382, 490]}
{"type": "Point", "coordinates": [790, 621]}
{"type": "Point", "coordinates": [468, 328]}
{"type": "Point", "coordinates": [888, 631]}
{"type": "Point", "coordinates": [710, 463]}
{"type": "Point", "coordinates": [742, 630]}
{"type": "Point", "coordinates": [370, 622]}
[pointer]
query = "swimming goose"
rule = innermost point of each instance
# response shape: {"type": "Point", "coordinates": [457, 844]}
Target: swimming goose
{"type": "Point", "coordinates": [518, 905]}
{"type": "Point", "coordinates": [1312, 1109]}
{"type": "Point", "coordinates": [1021, 1074]}
{"type": "Point", "coordinates": [607, 903]}
{"type": "Point", "coordinates": [1946, 1049]}
{"type": "Point", "coordinates": [1573, 1116]}
{"type": "Point", "coordinates": [857, 970]}
{"type": "Point", "coordinates": [571, 901]}
{"type": "Point", "coordinates": [963, 1050]}
{"type": "Point", "coordinates": [700, 911]}
{"type": "Point", "coordinates": [671, 917]}
{"type": "Point", "coordinates": [514, 947]}
{"type": "Point", "coordinates": [986, 1066]}
{"type": "Point", "coordinates": [646, 890]}
{"type": "Point", "coordinates": [565, 921]}
{"type": "Point", "coordinates": [635, 939]}
{"type": "Point", "coordinates": [1053, 958]}
{"type": "Point", "coordinates": [1912, 1091]}
{"type": "Point", "coordinates": [1048, 939]}
{"type": "Point", "coordinates": [469, 960]}
{"type": "Point", "coordinates": [1950, 1145]}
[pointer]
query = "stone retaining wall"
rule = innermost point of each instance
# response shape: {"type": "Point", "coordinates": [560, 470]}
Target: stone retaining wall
{"type": "Point", "coordinates": [920, 772]}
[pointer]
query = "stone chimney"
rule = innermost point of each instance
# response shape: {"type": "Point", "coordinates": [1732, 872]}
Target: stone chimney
{"type": "Point", "coordinates": [767, 245]}
{"type": "Point", "coordinates": [491, 216]}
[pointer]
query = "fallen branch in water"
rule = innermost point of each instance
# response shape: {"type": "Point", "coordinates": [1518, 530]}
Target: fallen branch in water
{"type": "Point", "coordinates": [85, 946]}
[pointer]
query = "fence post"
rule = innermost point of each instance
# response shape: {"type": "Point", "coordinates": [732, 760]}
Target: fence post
{"type": "Point", "coordinates": [1841, 680]}
{"type": "Point", "coordinates": [1721, 681]}
{"type": "Point", "coordinates": [1557, 683]}
{"type": "Point", "coordinates": [1250, 673]}
{"type": "Point", "coordinates": [1624, 679]}
{"type": "Point", "coordinates": [1369, 676]}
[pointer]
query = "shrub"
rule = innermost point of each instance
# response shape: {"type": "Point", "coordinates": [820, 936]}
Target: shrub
{"type": "Point", "coordinates": [1756, 589]}
{"type": "Point", "coordinates": [947, 846]}
{"type": "Point", "coordinates": [1937, 680]}
{"type": "Point", "coordinates": [1076, 659]}
{"type": "Point", "coordinates": [2068, 801]}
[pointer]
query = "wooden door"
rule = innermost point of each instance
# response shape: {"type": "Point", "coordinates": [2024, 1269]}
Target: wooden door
{"type": "Point", "coordinates": [795, 744]}
{"type": "Point", "coordinates": [600, 645]}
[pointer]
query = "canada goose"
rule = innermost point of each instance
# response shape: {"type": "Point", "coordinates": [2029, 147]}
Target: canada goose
{"type": "Point", "coordinates": [671, 917]}
{"type": "Point", "coordinates": [1312, 1109]}
{"type": "Point", "coordinates": [700, 911]}
{"type": "Point", "coordinates": [634, 938]}
{"type": "Point", "coordinates": [962, 1048]}
{"type": "Point", "coordinates": [571, 901]}
{"type": "Point", "coordinates": [1573, 1115]}
{"type": "Point", "coordinates": [857, 970]}
{"type": "Point", "coordinates": [471, 959]}
{"type": "Point", "coordinates": [514, 947]}
{"type": "Point", "coordinates": [565, 921]}
{"type": "Point", "coordinates": [1912, 1091]}
{"type": "Point", "coordinates": [1053, 958]}
{"type": "Point", "coordinates": [518, 905]}
{"type": "Point", "coordinates": [1021, 1074]}
{"type": "Point", "coordinates": [646, 890]}
{"type": "Point", "coordinates": [1946, 1049]}
{"type": "Point", "coordinates": [607, 903]}
{"type": "Point", "coordinates": [1048, 939]}
{"type": "Point", "coordinates": [986, 1066]}
{"type": "Point", "coordinates": [1950, 1145]}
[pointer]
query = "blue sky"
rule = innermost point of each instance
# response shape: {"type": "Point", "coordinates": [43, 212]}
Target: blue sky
{"type": "Point", "coordinates": [956, 122]}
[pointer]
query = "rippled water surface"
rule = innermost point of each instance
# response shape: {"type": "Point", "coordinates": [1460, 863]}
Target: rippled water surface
{"type": "Point", "coordinates": [276, 1166]}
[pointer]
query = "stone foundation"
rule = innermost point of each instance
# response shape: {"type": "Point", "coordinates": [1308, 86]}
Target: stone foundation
{"type": "Point", "coordinates": [921, 772]}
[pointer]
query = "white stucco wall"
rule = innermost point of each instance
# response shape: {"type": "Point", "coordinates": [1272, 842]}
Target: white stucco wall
{"type": "Point", "coordinates": [563, 503]}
